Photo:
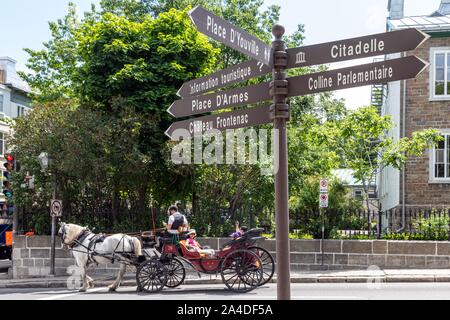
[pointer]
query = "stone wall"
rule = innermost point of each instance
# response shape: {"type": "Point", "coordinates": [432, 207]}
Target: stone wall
{"type": "Point", "coordinates": [360, 254]}
{"type": "Point", "coordinates": [31, 255]}
{"type": "Point", "coordinates": [31, 258]}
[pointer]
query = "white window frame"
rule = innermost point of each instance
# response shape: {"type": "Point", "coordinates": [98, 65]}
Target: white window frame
{"type": "Point", "coordinates": [432, 81]}
{"type": "Point", "coordinates": [2, 149]}
{"type": "Point", "coordinates": [358, 190]}
{"type": "Point", "coordinates": [433, 178]}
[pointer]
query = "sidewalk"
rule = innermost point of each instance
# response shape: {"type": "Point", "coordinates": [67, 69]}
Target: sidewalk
{"type": "Point", "coordinates": [351, 276]}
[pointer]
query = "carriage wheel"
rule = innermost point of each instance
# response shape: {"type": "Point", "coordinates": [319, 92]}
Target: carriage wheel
{"type": "Point", "coordinates": [151, 276]}
{"type": "Point", "coordinates": [175, 272]}
{"type": "Point", "coordinates": [268, 263]}
{"type": "Point", "coordinates": [241, 271]}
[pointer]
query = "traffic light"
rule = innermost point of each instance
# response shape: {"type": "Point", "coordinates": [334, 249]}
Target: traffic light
{"type": "Point", "coordinates": [9, 165]}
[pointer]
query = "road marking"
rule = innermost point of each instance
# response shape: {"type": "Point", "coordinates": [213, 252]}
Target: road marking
{"type": "Point", "coordinates": [65, 295]}
{"type": "Point", "coordinates": [303, 297]}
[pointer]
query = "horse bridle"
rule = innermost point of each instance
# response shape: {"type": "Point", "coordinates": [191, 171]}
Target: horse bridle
{"type": "Point", "coordinates": [62, 233]}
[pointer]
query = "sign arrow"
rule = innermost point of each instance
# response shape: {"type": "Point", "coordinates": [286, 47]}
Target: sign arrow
{"type": "Point", "coordinates": [356, 48]}
{"type": "Point", "coordinates": [220, 100]}
{"type": "Point", "coordinates": [230, 35]}
{"type": "Point", "coordinates": [238, 73]}
{"type": "Point", "coordinates": [357, 76]}
{"type": "Point", "coordinates": [222, 121]}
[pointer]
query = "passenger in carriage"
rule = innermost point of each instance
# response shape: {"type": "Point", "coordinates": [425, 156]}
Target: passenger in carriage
{"type": "Point", "coordinates": [192, 244]}
{"type": "Point", "coordinates": [239, 231]}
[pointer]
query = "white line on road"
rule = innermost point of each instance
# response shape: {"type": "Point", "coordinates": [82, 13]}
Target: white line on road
{"type": "Point", "coordinates": [303, 298]}
{"type": "Point", "coordinates": [66, 295]}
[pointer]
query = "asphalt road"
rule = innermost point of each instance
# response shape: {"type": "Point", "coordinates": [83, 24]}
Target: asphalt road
{"type": "Point", "coordinates": [326, 291]}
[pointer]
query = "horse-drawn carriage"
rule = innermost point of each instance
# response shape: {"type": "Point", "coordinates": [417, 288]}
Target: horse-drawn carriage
{"type": "Point", "coordinates": [162, 261]}
{"type": "Point", "coordinates": [243, 266]}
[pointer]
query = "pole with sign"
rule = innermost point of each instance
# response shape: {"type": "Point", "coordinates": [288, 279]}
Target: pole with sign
{"type": "Point", "coordinates": [280, 114]}
{"type": "Point", "coordinates": [323, 204]}
{"type": "Point", "coordinates": [200, 96]}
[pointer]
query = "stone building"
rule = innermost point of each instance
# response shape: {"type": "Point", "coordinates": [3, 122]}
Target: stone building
{"type": "Point", "coordinates": [421, 103]}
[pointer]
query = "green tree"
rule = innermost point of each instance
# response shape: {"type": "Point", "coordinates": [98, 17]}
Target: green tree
{"type": "Point", "coordinates": [362, 141]}
{"type": "Point", "coordinates": [127, 73]}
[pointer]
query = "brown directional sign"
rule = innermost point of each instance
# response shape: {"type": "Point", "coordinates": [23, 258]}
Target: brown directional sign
{"type": "Point", "coordinates": [230, 35]}
{"type": "Point", "coordinates": [238, 73]}
{"type": "Point", "coordinates": [222, 121]}
{"type": "Point", "coordinates": [357, 76]}
{"type": "Point", "coordinates": [220, 100]}
{"type": "Point", "coordinates": [355, 48]}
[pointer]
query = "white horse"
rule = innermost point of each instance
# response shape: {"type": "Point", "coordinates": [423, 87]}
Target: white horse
{"type": "Point", "coordinates": [86, 251]}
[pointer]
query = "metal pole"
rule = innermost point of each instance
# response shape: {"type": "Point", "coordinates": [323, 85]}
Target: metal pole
{"type": "Point", "coordinates": [323, 231]}
{"type": "Point", "coordinates": [53, 239]}
{"type": "Point", "coordinates": [280, 114]}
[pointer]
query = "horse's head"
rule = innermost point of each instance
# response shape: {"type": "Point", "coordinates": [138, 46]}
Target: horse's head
{"type": "Point", "coordinates": [69, 232]}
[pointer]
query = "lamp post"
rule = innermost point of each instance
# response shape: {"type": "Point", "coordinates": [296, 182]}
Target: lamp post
{"type": "Point", "coordinates": [45, 161]}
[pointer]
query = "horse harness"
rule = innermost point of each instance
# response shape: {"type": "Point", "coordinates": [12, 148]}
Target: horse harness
{"type": "Point", "coordinates": [93, 240]}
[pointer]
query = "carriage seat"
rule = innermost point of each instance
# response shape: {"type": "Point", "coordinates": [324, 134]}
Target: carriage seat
{"type": "Point", "coordinates": [190, 253]}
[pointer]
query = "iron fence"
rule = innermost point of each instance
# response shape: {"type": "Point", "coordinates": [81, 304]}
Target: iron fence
{"type": "Point", "coordinates": [394, 224]}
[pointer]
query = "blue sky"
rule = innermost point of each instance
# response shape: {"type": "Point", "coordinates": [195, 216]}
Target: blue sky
{"type": "Point", "coordinates": [25, 25]}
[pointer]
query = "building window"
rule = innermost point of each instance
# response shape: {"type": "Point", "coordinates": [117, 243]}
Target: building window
{"type": "Point", "coordinates": [20, 111]}
{"type": "Point", "coordinates": [441, 161]}
{"type": "Point", "coordinates": [358, 193]}
{"type": "Point", "coordinates": [2, 144]}
{"type": "Point", "coordinates": [1, 103]}
{"type": "Point", "coordinates": [440, 73]}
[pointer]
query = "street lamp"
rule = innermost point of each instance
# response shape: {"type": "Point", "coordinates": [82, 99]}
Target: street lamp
{"type": "Point", "coordinates": [45, 161]}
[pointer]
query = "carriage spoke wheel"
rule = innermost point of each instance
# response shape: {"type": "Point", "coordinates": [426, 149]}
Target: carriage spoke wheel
{"type": "Point", "coordinates": [151, 276]}
{"type": "Point", "coordinates": [241, 271]}
{"type": "Point", "coordinates": [175, 272]}
{"type": "Point", "coordinates": [268, 263]}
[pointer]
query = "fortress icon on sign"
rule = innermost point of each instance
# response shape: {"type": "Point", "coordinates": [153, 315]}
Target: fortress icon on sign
{"type": "Point", "coordinates": [300, 58]}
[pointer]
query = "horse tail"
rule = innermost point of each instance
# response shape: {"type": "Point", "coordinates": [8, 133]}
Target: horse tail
{"type": "Point", "coordinates": [137, 246]}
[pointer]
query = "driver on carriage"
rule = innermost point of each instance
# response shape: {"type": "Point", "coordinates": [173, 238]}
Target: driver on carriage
{"type": "Point", "coordinates": [177, 221]}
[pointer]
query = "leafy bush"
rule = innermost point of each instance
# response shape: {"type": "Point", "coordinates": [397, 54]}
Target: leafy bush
{"type": "Point", "coordinates": [342, 212]}
{"type": "Point", "coordinates": [434, 226]}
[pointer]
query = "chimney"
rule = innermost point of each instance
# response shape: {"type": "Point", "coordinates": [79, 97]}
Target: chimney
{"type": "Point", "coordinates": [396, 9]}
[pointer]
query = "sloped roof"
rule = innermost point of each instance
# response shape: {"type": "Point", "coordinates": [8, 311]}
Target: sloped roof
{"type": "Point", "coordinates": [426, 23]}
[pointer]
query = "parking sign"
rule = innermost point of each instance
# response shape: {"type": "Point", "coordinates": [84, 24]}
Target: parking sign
{"type": "Point", "coordinates": [324, 200]}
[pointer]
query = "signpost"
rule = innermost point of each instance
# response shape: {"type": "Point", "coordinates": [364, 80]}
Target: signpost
{"type": "Point", "coordinates": [235, 74]}
{"type": "Point", "coordinates": [230, 35]}
{"type": "Point", "coordinates": [323, 186]}
{"type": "Point", "coordinates": [323, 204]}
{"type": "Point", "coordinates": [277, 58]}
{"type": "Point", "coordinates": [220, 100]}
{"type": "Point", "coordinates": [356, 48]}
{"type": "Point", "coordinates": [55, 211]}
{"type": "Point", "coordinates": [357, 76]}
{"type": "Point", "coordinates": [56, 208]}
{"type": "Point", "coordinates": [222, 121]}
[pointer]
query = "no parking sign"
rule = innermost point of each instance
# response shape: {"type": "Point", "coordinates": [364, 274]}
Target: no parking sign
{"type": "Point", "coordinates": [323, 186]}
{"type": "Point", "coordinates": [324, 200]}
{"type": "Point", "coordinates": [56, 208]}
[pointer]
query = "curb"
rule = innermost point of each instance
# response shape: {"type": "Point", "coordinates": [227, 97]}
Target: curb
{"type": "Point", "coordinates": [48, 283]}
